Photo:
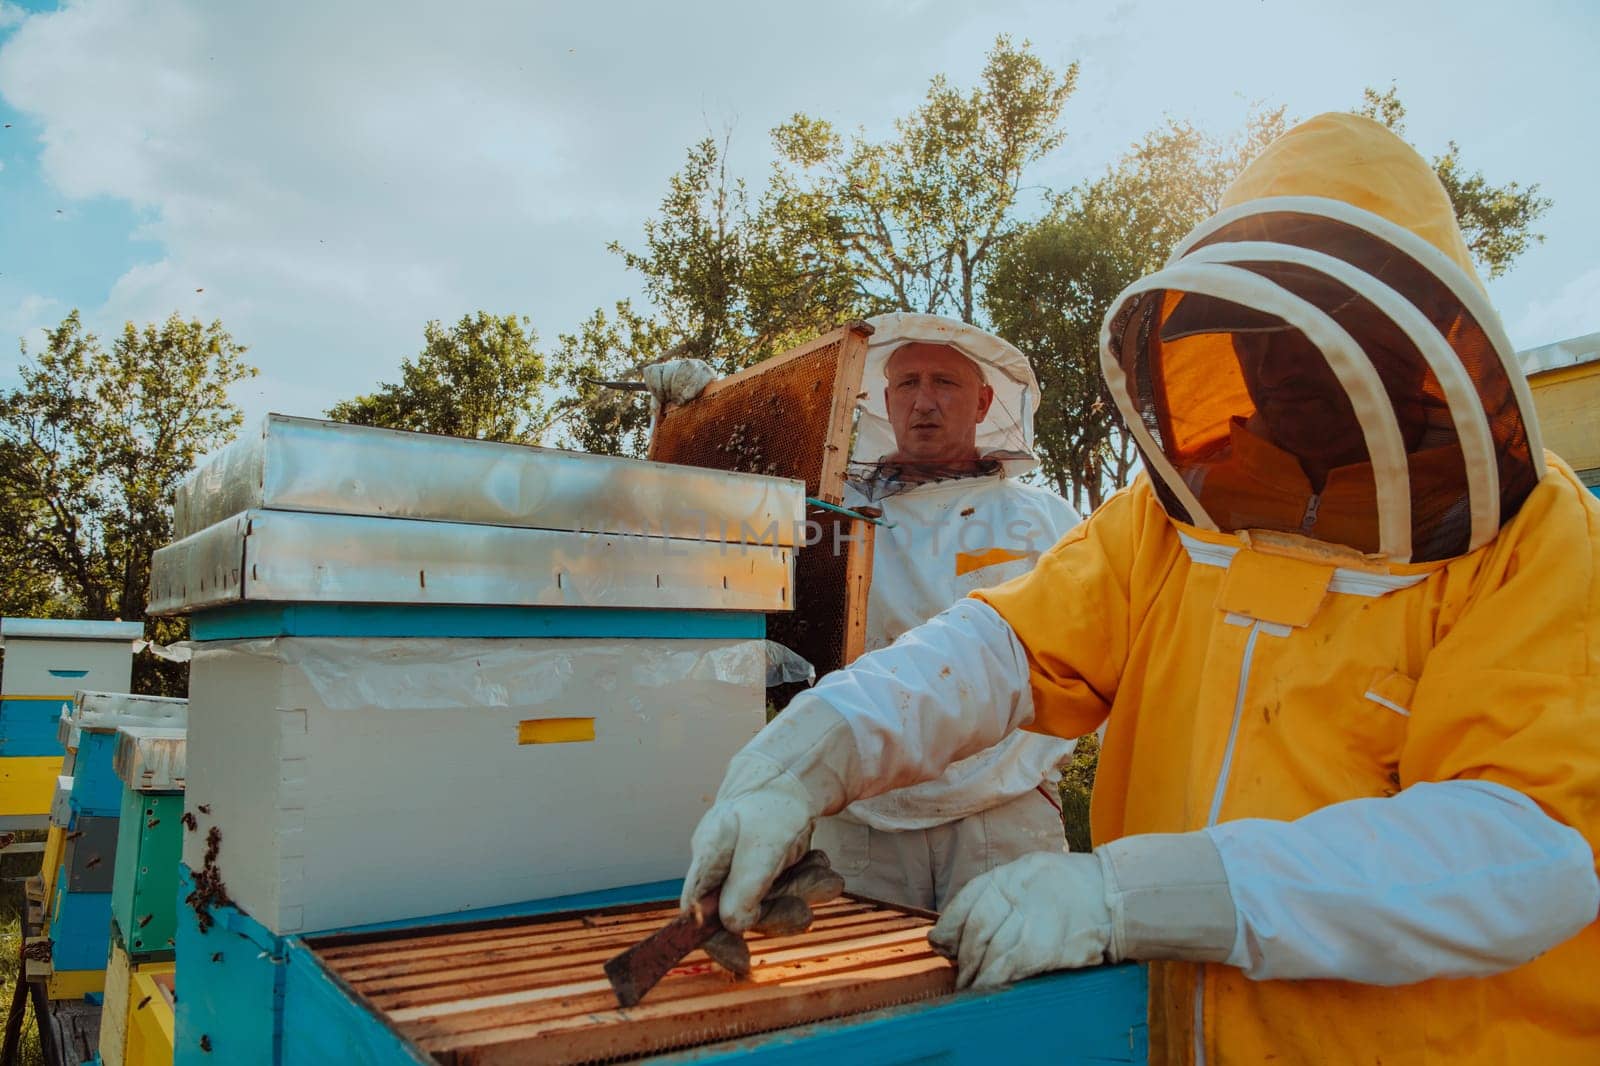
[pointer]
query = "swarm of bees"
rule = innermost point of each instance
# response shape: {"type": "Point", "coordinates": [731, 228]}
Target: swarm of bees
{"type": "Point", "coordinates": [209, 890]}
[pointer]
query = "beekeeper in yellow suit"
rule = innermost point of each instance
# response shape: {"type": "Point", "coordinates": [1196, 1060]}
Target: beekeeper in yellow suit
{"type": "Point", "coordinates": [1343, 636]}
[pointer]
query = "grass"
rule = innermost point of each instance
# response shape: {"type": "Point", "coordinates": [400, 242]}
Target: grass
{"type": "Point", "coordinates": [13, 905]}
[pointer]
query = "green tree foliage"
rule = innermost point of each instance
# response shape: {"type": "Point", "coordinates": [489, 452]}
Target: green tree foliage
{"type": "Point", "coordinates": [1496, 220]}
{"type": "Point", "coordinates": [1075, 789]}
{"type": "Point", "coordinates": [1052, 282]}
{"type": "Point", "coordinates": [593, 417]}
{"type": "Point", "coordinates": [914, 219]}
{"type": "Point", "coordinates": [92, 444]}
{"type": "Point", "coordinates": [481, 377]}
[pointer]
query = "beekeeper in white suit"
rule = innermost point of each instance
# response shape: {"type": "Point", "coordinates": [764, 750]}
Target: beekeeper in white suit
{"type": "Point", "coordinates": [944, 431]}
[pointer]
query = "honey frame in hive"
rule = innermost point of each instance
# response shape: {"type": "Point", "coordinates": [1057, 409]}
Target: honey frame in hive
{"type": "Point", "coordinates": [789, 416]}
{"type": "Point", "coordinates": [533, 989]}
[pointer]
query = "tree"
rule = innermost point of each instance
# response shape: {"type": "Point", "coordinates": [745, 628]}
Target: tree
{"type": "Point", "coordinates": [1053, 281]}
{"type": "Point", "coordinates": [92, 444]}
{"type": "Point", "coordinates": [480, 378]}
{"type": "Point", "coordinates": [915, 219]}
{"type": "Point", "coordinates": [26, 591]}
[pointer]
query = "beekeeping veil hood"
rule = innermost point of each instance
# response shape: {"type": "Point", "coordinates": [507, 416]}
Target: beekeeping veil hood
{"type": "Point", "coordinates": [1337, 263]}
{"type": "Point", "coordinates": [1005, 435]}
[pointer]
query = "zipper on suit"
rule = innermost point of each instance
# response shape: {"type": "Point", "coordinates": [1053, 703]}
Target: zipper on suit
{"type": "Point", "coordinates": [1257, 627]}
{"type": "Point", "coordinates": [1309, 519]}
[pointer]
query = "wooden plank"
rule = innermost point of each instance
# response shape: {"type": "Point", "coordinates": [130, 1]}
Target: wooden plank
{"type": "Point", "coordinates": [656, 1027]}
{"type": "Point", "coordinates": [857, 583]}
{"type": "Point", "coordinates": [841, 420]}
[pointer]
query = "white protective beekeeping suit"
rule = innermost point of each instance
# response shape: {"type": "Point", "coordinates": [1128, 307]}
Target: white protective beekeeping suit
{"type": "Point", "coordinates": [942, 540]}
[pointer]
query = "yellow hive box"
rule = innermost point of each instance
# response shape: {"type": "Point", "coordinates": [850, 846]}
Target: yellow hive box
{"type": "Point", "coordinates": [130, 1009]}
{"type": "Point", "coordinates": [28, 783]}
{"type": "Point", "coordinates": [150, 1027]}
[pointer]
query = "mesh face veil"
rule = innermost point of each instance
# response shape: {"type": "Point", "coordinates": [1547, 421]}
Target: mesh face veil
{"type": "Point", "coordinates": [1307, 366]}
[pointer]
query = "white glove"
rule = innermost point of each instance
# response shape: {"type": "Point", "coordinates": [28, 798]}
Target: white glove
{"type": "Point", "coordinates": [802, 766]}
{"type": "Point", "coordinates": [1045, 911]}
{"type": "Point", "coordinates": [1157, 896]}
{"type": "Point", "coordinates": [677, 380]}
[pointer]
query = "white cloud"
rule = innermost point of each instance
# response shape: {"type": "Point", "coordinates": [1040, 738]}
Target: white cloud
{"type": "Point", "coordinates": [1573, 311]}
{"type": "Point", "coordinates": [11, 15]}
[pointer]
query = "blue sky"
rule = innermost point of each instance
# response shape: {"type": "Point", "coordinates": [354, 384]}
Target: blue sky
{"type": "Point", "coordinates": [325, 178]}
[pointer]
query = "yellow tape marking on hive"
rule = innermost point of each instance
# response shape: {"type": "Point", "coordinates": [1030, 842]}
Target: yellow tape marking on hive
{"type": "Point", "coordinates": [555, 731]}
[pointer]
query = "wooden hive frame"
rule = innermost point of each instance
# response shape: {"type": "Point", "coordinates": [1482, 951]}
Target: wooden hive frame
{"type": "Point", "coordinates": [532, 989]}
{"type": "Point", "coordinates": [793, 416]}
{"type": "Point", "coordinates": [789, 416]}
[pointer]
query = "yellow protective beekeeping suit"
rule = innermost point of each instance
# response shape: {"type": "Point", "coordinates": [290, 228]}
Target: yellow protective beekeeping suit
{"type": "Point", "coordinates": [1266, 673]}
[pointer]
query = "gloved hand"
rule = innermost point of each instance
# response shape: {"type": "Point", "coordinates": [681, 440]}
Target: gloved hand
{"type": "Point", "coordinates": [677, 380]}
{"type": "Point", "coordinates": [1155, 896]}
{"type": "Point", "coordinates": [785, 910]}
{"type": "Point", "coordinates": [1046, 911]}
{"type": "Point", "coordinates": [802, 766]}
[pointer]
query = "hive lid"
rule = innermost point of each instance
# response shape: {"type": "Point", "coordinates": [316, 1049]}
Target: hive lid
{"type": "Point", "coordinates": [298, 557]}
{"type": "Point", "coordinates": [305, 464]}
{"type": "Point", "coordinates": [1575, 351]}
{"type": "Point", "coordinates": [106, 712]}
{"type": "Point", "coordinates": [68, 629]}
{"type": "Point", "coordinates": [151, 758]}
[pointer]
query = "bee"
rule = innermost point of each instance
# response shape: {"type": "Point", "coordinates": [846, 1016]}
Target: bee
{"type": "Point", "coordinates": [190, 822]}
{"type": "Point", "coordinates": [205, 1043]}
{"type": "Point", "coordinates": [145, 920]}
{"type": "Point", "coordinates": [92, 863]}
{"type": "Point", "coordinates": [204, 808]}
{"type": "Point", "coordinates": [143, 1003]}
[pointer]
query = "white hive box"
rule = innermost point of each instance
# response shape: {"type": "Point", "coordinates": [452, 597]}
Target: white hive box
{"type": "Point", "coordinates": [359, 781]}
{"type": "Point", "coordinates": [57, 657]}
{"type": "Point", "coordinates": [429, 749]}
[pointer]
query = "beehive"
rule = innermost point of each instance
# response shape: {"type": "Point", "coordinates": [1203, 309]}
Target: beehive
{"type": "Point", "coordinates": [46, 661]}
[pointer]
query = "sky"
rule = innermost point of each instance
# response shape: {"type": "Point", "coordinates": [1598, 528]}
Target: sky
{"type": "Point", "coordinates": [326, 177]}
